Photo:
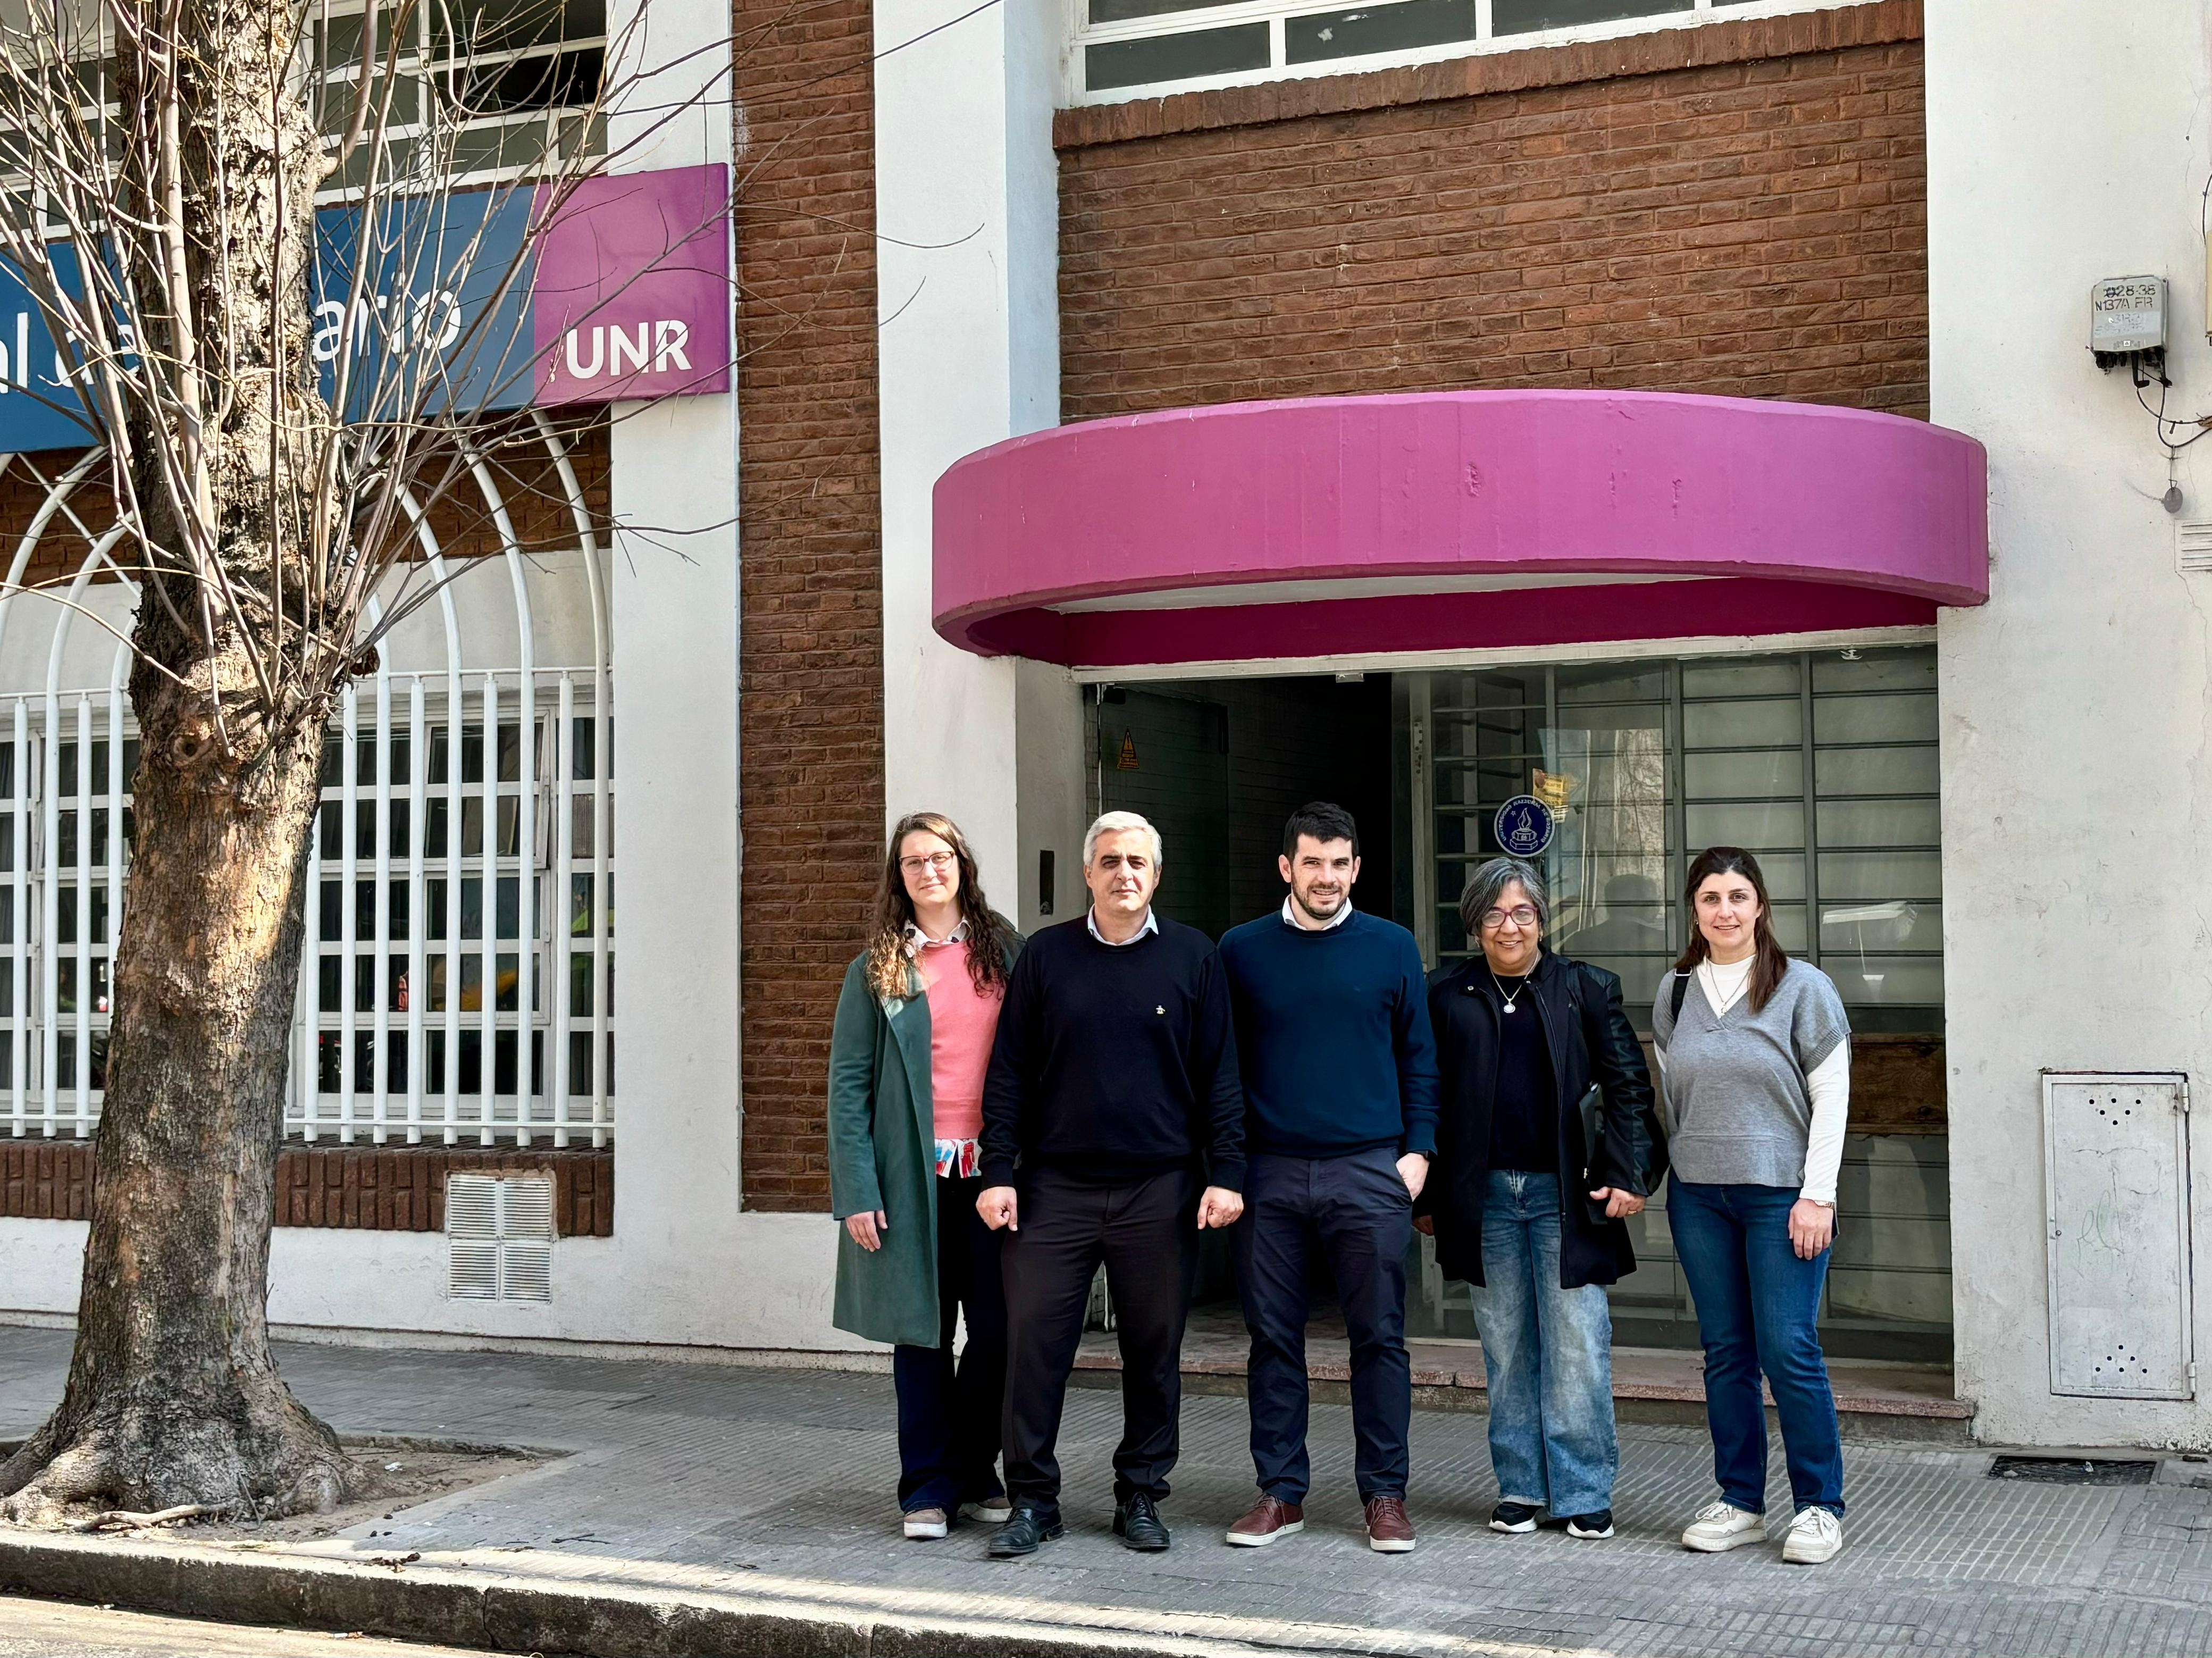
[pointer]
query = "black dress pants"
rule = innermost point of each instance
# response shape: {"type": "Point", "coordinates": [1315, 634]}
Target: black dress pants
{"type": "Point", "coordinates": [949, 1412]}
{"type": "Point", "coordinates": [1145, 1233]}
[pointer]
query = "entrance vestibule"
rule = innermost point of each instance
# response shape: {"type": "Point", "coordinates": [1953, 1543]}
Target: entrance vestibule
{"type": "Point", "coordinates": [1823, 762]}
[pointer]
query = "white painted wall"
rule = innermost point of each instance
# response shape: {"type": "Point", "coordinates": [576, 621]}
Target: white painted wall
{"type": "Point", "coordinates": [967, 220]}
{"type": "Point", "coordinates": [2067, 142]}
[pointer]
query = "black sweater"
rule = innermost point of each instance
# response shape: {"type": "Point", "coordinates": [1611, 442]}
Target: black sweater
{"type": "Point", "coordinates": [1115, 1062]}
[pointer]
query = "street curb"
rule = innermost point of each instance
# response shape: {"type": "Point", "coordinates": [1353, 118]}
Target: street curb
{"type": "Point", "coordinates": [479, 1609]}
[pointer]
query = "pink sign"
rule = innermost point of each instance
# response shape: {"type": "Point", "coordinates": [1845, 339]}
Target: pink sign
{"type": "Point", "coordinates": [632, 294]}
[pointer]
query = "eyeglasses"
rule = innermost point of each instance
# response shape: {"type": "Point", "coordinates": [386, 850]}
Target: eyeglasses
{"type": "Point", "coordinates": [939, 861]}
{"type": "Point", "coordinates": [1520, 915]}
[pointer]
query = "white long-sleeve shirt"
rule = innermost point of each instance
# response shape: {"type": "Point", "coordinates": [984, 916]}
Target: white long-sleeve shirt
{"type": "Point", "coordinates": [1827, 1086]}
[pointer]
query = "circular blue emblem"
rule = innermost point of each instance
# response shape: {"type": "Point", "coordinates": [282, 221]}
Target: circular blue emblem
{"type": "Point", "coordinates": [1524, 826]}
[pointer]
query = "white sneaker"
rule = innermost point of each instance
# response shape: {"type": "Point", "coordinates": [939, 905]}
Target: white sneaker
{"type": "Point", "coordinates": [1721, 1527]}
{"type": "Point", "coordinates": [1816, 1535]}
{"type": "Point", "coordinates": [991, 1510]}
{"type": "Point", "coordinates": [925, 1525]}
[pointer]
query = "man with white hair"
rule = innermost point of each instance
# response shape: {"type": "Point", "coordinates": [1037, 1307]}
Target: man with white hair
{"type": "Point", "coordinates": [1112, 1099]}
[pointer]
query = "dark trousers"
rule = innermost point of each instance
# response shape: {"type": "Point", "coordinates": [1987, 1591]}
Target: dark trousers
{"type": "Point", "coordinates": [1144, 1232]}
{"type": "Point", "coordinates": [1356, 1211]}
{"type": "Point", "coordinates": [948, 1411]}
{"type": "Point", "coordinates": [1757, 1308]}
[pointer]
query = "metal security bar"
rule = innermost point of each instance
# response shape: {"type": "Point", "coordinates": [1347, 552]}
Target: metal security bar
{"type": "Point", "coordinates": [458, 974]}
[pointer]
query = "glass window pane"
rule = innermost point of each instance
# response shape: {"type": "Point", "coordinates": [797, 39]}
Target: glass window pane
{"type": "Point", "coordinates": [1878, 876]}
{"type": "Point", "coordinates": [508, 986]}
{"type": "Point", "coordinates": [1759, 676]}
{"type": "Point", "coordinates": [1739, 776]}
{"type": "Point", "coordinates": [1908, 718]}
{"type": "Point", "coordinates": [1775, 824]}
{"type": "Point", "coordinates": [1612, 682]}
{"type": "Point", "coordinates": [1878, 822]}
{"type": "Point", "coordinates": [1399, 27]}
{"type": "Point", "coordinates": [1121, 11]}
{"type": "Point", "coordinates": [1523, 16]}
{"type": "Point", "coordinates": [1176, 56]}
{"type": "Point", "coordinates": [1894, 924]}
{"type": "Point", "coordinates": [1877, 771]}
{"type": "Point", "coordinates": [1741, 725]}
{"type": "Point", "coordinates": [1912, 669]}
{"type": "Point", "coordinates": [1887, 981]}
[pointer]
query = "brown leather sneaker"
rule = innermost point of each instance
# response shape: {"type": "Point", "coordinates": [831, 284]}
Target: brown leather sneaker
{"type": "Point", "coordinates": [1389, 1531]}
{"type": "Point", "coordinates": [1270, 1518]}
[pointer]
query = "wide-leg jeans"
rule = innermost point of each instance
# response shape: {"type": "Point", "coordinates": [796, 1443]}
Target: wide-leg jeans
{"type": "Point", "coordinates": [1547, 1353]}
{"type": "Point", "coordinates": [1758, 1305]}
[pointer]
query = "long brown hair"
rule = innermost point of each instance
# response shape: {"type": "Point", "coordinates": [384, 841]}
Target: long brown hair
{"type": "Point", "coordinates": [1769, 960]}
{"type": "Point", "coordinates": [988, 935]}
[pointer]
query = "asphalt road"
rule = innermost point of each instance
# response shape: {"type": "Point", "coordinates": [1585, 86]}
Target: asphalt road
{"type": "Point", "coordinates": [46, 1629]}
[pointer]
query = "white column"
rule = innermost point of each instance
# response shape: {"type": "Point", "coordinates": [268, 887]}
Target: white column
{"type": "Point", "coordinates": [967, 263]}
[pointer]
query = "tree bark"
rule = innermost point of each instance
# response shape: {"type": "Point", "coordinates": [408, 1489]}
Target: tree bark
{"type": "Point", "coordinates": [173, 1396]}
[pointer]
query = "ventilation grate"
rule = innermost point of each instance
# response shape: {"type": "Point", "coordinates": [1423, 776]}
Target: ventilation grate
{"type": "Point", "coordinates": [2073, 1470]}
{"type": "Point", "coordinates": [2193, 542]}
{"type": "Point", "coordinates": [499, 1237]}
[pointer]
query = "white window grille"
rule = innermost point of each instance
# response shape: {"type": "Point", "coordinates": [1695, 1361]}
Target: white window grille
{"type": "Point", "coordinates": [1127, 48]}
{"type": "Point", "coordinates": [499, 1237]}
{"type": "Point", "coordinates": [457, 977]}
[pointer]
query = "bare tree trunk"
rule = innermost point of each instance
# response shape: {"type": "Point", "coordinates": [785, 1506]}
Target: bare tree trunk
{"type": "Point", "coordinates": [173, 1396]}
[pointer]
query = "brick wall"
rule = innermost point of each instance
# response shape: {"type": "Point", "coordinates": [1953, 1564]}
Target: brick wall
{"type": "Point", "coordinates": [1738, 209]}
{"type": "Point", "coordinates": [376, 1188]}
{"type": "Point", "coordinates": [809, 582]}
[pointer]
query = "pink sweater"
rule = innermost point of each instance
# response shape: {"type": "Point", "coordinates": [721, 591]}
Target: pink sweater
{"type": "Point", "coordinates": [962, 1023]}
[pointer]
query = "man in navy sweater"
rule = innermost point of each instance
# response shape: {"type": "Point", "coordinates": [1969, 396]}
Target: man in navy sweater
{"type": "Point", "coordinates": [1112, 1084]}
{"type": "Point", "coordinates": [1339, 1071]}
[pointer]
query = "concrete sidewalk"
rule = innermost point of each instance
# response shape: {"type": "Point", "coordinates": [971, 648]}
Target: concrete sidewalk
{"type": "Point", "coordinates": [761, 1493]}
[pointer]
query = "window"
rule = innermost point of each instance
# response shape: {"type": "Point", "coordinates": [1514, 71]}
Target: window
{"type": "Point", "coordinates": [1123, 46]}
{"type": "Point", "coordinates": [1822, 764]}
{"type": "Point", "coordinates": [512, 878]}
{"type": "Point", "coordinates": [517, 77]}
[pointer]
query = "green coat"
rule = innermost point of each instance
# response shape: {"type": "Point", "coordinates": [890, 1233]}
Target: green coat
{"type": "Point", "coordinates": [882, 1156]}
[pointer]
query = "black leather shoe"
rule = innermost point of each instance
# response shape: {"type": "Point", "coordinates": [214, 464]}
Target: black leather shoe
{"type": "Point", "coordinates": [1023, 1534]}
{"type": "Point", "coordinates": [1137, 1523]}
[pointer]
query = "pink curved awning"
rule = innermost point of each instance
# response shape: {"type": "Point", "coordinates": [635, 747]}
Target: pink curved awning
{"type": "Point", "coordinates": [1453, 520]}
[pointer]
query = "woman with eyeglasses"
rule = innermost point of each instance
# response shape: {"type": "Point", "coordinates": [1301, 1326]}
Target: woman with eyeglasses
{"type": "Point", "coordinates": [908, 1052]}
{"type": "Point", "coordinates": [1523, 1206]}
{"type": "Point", "coordinates": [1755, 1051]}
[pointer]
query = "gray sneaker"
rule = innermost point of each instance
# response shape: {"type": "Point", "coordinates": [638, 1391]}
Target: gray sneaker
{"type": "Point", "coordinates": [926, 1525]}
{"type": "Point", "coordinates": [1721, 1527]}
{"type": "Point", "coordinates": [1815, 1536]}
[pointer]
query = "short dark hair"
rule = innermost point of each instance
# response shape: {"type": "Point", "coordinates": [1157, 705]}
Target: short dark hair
{"type": "Point", "coordinates": [1325, 821]}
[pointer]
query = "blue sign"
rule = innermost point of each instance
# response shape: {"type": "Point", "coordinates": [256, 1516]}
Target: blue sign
{"type": "Point", "coordinates": [444, 298]}
{"type": "Point", "coordinates": [1524, 826]}
{"type": "Point", "coordinates": [442, 316]}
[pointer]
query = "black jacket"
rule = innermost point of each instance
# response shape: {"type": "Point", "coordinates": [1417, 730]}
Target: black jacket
{"type": "Point", "coordinates": [1589, 1039]}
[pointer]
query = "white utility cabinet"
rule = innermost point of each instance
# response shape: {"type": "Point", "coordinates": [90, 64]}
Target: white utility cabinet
{"type": "Point", "coordinates": [2116, 1171]}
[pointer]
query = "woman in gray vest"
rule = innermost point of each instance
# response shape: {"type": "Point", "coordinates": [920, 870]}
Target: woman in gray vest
{"type": "Point", "coordinates": [1755, 1052]}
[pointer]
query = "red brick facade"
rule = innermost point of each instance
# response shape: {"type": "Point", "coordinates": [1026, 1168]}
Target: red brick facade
{"type": "Point", "coordinates": [810, 773]}
{"type": "Point", "coordinates": [1738, 208]}
{"type": "Point", "coordinates": [375, 1189]}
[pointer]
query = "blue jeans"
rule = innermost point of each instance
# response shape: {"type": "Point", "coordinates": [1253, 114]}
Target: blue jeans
{"type": "Point", "coordinates": [1548, 1354]}
{"type": "Point", "coordinates": [1355, 1212]}
{"type": "Point", "coordinates": [1757, 1304]}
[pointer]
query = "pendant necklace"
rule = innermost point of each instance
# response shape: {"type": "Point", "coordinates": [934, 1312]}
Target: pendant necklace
{"type": "Point", "coordinates": [1518, 989]}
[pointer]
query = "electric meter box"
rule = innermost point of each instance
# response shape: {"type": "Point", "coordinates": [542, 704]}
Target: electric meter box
{"type": "Point", "coordinates": [2127, 314]}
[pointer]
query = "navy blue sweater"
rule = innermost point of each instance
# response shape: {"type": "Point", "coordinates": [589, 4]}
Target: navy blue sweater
{"type": "Point", "coordinates": [1115, 1062]}
{"type": "Point", "coordinates": [1333, 1037]}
